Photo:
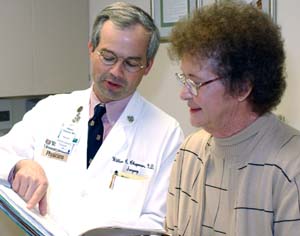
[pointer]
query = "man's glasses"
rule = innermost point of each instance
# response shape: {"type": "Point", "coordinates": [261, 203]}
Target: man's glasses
{"type": "Point", "coordinates": [193, 87]}
{"type": "Point", "coordinates": [131, 64]}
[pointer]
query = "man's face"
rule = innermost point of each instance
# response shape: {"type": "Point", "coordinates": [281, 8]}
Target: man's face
{"type": "Point", "coordinates": [128, 48]}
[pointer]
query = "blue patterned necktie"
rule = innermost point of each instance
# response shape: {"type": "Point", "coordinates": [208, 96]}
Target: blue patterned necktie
{"type": "Point", "coordinates": [95, 133]}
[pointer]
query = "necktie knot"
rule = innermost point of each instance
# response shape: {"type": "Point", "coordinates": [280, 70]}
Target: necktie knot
{"type": "Point", "coordinates": [99, 111]}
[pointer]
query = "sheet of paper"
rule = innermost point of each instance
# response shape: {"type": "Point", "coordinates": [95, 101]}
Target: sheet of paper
{"type": "Point", "coordinates": [71, 219]}
{"type": "Point", "coordinates": [44, 224]}
{"type": "Point", "coordinates": [122, 231]}
{"type": "Point", "coordinates": [173, 12]}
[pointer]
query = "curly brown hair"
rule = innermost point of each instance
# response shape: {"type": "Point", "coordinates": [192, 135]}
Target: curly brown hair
{"type": "Point", "coordinates": [245, 44]}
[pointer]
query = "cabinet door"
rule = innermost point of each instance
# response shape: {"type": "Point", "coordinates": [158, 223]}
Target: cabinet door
{"type": "Point", "coordinates": [43, 46]}
{"type": "Point", "coordinates": [60, 50]}
{"type": "Point", "coordinates": [16, 47]}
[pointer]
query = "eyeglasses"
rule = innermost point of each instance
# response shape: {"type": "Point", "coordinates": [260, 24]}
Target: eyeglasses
{"type": "Point", "coordinates": [191, 85]}
{"type": "Point", "coordinates": [131, 64]}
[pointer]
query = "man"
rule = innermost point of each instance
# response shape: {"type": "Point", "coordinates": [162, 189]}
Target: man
{"type": "Point", "coordinates": [128, 175]}
{"type": "Point", "coordinates": [240, 174]}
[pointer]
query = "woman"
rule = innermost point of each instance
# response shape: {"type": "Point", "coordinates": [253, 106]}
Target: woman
{"type": "Point", "coordinates": [238, 175]}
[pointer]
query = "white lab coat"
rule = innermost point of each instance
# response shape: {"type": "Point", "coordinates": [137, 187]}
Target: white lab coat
{"type": "Point", "coordinates": [143, 141]}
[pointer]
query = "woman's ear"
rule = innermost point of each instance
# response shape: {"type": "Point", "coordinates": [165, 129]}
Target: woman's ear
{"type": "Point", "coordinates": [244, 92]}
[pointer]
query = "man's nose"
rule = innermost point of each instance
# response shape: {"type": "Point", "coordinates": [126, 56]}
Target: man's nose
{"type": "Point", "coordinates": [117, 69]}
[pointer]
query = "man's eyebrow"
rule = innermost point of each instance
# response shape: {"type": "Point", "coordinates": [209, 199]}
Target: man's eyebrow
{"type": "Point", "coordinates": [129, 57]}
{"type": "Point", "coordinates": [134, 57]}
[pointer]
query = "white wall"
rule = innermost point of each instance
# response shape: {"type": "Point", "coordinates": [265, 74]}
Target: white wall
{"type": "Point", "coordinates": [289, 18]}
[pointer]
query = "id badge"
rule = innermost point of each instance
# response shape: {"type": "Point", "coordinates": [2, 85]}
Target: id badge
{"type": "Point", "coordinates": [61, 147]}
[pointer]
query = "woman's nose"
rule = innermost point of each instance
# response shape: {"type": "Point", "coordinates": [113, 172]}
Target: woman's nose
{"type": "Point", "coordinates": [185, 93]}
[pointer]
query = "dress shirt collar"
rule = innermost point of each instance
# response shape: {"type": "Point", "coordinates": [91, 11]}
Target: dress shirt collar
{"type": "Point", "coordinates": [113, 109]}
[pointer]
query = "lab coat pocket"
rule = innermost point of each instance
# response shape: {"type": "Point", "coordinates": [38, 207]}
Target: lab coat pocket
{"type": "Point", "coordinates": [128, 194]}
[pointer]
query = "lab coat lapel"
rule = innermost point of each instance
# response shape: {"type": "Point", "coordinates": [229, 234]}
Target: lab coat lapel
{"type": "Point", "coordinates": [78, 157]}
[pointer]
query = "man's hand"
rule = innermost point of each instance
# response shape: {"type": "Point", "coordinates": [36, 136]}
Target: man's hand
{"type": "Point", "coordinates": [31, 183]}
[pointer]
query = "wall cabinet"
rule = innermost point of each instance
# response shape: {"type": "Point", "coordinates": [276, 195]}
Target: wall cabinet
{"type": "Point", "coordinates": [43, 46]}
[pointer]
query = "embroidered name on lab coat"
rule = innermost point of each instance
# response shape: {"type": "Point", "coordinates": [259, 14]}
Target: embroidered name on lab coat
{"type": "Point", "coordinates": [133, 166]}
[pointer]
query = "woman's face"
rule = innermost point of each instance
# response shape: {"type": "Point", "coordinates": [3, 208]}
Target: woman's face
{"type": "Point", "coordinates": [212, 108]}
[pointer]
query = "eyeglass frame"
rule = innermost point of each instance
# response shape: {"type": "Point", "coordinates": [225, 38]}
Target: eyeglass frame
{"type": "Point", "coordinates": [102, 59]}
{"type": "Point", "coordinates": [191, 85]}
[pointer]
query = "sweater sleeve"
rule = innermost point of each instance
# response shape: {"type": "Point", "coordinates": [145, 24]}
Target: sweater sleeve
{"type": "Point", "coordinates": [287, 209]}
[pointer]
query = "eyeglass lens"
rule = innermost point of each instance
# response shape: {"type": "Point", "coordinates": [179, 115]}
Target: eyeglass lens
{"type": "Point", "coordinates": [130, 64]}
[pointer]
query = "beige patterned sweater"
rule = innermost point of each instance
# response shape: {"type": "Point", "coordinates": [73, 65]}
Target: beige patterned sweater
{"type": "Point", "coordinates": [244, 185]}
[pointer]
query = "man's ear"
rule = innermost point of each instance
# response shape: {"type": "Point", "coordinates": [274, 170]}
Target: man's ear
{"type": "Point", "coordinates": [90, 47]}
{"type": "Point", "coordinates": [149, 66]}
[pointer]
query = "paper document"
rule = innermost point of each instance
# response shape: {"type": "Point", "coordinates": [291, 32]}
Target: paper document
{"type": "Point", "coordinates": [35, 224]}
